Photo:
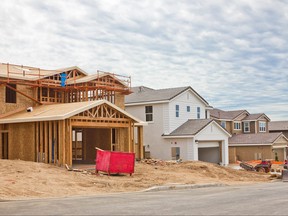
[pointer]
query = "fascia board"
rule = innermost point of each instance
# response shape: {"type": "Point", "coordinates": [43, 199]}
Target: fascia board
{"type": "Point", "coordinates": [146, 103]}
{"type": "Point", "coordinates": [250, 144]}
{"type": "Point", "coordinates": [178, 137]}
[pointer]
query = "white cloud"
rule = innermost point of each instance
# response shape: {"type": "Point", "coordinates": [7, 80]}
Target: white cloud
{"type": "Point", "coordinates": [234, 53]}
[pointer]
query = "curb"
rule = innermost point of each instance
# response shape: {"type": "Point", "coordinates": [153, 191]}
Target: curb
{"type": "Point", "coordinates": [179, 187]}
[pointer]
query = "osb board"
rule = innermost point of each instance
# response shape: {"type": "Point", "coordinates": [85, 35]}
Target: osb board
{"type": "Point", "coordinates": [120, 100]}
{"type": "Point", "coordinates": [124, 139]}
{"type": "Point", "coordinates": [22, 141]}
{"type": "Point", "coordinates": [21, 101]}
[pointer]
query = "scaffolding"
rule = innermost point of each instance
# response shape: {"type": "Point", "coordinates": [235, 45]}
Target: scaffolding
{"type": "Point", "coordinates": [65, 85]}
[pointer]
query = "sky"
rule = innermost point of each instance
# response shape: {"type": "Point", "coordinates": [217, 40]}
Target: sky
{"type": "Point", "coordinates": [233, 53]}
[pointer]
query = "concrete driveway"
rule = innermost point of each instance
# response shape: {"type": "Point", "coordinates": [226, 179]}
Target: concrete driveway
{"type": "Point", "coordinates": [259, 199]}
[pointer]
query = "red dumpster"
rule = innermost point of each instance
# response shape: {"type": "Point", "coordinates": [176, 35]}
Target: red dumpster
{"type": "Point", "coordinates": [115, 162]}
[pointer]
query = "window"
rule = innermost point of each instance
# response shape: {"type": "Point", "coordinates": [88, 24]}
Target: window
{"type": "Point", "coordinates": [10, 94]}
{"type": "Point", "coordinates": [223, 124]}
{"type": "Point", "coordinates": [237, 125]}
{"type": "Point", "coordinates": [149, 113]}
{"type": "Point", "coordinates": [262, 126]}
{"type": "Point", "coordinates": [198, 112]}
{"type": "Point", "coordinates": [246, 127]}
{"type": "Point", "coordinates": [177, 110]}
{"type": "Point", "coordinates": [188, 108]}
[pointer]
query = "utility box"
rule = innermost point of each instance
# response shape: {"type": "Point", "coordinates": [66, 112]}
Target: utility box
{"type": "Point", "coordinates": [113, 162]}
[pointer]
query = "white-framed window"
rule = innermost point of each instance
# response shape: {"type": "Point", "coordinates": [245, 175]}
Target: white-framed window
{"type": "Point", "coordinates": [246, 127]}
{"type": "Point", "coordinates": [198, 112]}
{"type": "Point", "coordinates": [177, 110]}
{"type": "Point", "coordinates": [188, 108]}
{"type": "Point", "coordinates": [223, 124]}
{"type": "Point", "coordinates": [262, 126]}
{"type": "Point", "coordinates": [237, 125]}
{"type": "Point", "coordinates": [149, 113]}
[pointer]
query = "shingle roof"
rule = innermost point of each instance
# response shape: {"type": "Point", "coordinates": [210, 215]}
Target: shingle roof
{"type": "Point", "coordinates": [191, 127]}
{"type": "Point", "coordinates": [221, 114]}
{"type": "Point", "coordinates": [256, 116]}
{"type": "Point", "coordinates": [278, 125]}
{"type": "Point", "coordinates": [259, 138]}
{"type": "Point", "coordinates": [143, 94]}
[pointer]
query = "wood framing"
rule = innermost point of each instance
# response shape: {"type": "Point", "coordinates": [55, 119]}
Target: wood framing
{"type": "Point", "coordinates": [39, 124]}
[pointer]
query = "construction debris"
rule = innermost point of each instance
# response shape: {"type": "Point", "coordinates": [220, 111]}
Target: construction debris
{"type": "Point", "coordinates": [83, 171]}
{"type": "Point", "coordinates": [158, 162]}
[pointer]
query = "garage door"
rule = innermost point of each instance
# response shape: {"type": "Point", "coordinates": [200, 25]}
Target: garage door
{"type": "Point", "coordinates": [209, 152]}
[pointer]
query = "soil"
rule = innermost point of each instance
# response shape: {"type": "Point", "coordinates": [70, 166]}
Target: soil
{"type": "Point", "coordinates": [25, 180]}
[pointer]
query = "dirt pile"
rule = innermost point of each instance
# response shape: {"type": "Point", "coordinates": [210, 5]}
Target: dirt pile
{"type": "Point", "coordinates": [22, 179]}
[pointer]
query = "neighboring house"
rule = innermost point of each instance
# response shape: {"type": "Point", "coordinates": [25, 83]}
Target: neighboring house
{"type": "Point", "coordinates": [178, 124]}
{"type": "Point", "coordinates": [60, 116]}
{"type": "Point", "coordinates": [245, 147]}
{"type": "Point", "coordinates": [279, 126]}
{"type": "Point", "coordinates": [250, 139]}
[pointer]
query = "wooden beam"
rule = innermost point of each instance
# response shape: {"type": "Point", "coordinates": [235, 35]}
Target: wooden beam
{"type": "Point", "coordinates": [61, 141]}
{"type": "Point", "coordinates": [1, 146]}
{"type": "Point", "coordinates": [55, 140]}
{"type": "Point", "coordinates": [50, 141]}
{"type": "Point", "coordinates": [140, 142]}
{"type": "Point", "coordinates": [68, 142]}
{"type": "Point", "coordinates": [41, 141]}
{"type": "Point", "coordinates": [37, 141]}
{"type": "Point", "coordinates": [99, 125]}
{"type": "Point", "coordinates": [99, 119]}
{"type": "Point", "coordinates": [46, 145]}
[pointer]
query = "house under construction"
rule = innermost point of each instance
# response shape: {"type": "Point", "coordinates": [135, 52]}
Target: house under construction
{"type": "Point", "coordinates": [60, 116]}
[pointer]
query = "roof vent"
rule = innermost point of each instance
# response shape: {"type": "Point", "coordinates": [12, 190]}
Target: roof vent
{"type": "Point", "coordinates": [29, 109]}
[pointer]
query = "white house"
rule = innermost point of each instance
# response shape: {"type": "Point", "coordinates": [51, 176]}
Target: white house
{"type": "Point", "coordinates": [179, 124]}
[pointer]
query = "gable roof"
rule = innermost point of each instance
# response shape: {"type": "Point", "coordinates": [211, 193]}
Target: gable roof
{"type": "Point", "coordinates": [255, 117]}
{"type": "Point", "coordinates": [255, 139]}
{"type": "Point", "coordinates": [278, 125]}
{"type": "Point", "coordinates": [62, 111]}
{"type": "Point", "coordinates": [193, 127]}
{"type": "Point", "coordinates": [227, 115]}
{"type": "Point", "coordinates": [142, 94]}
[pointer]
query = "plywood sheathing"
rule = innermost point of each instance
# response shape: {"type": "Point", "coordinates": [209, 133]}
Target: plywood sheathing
{"type": "Point", "coordinates": [21, 141]}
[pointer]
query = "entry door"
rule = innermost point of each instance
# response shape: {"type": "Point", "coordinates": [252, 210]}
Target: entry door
{"type": "Point", "coordinates": [175, 153]}
{"type": "Point", "coordinates": [77, 145]}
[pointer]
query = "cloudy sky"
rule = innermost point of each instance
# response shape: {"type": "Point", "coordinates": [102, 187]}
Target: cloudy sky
{"type": "Point", "coordinates": [233, 53]}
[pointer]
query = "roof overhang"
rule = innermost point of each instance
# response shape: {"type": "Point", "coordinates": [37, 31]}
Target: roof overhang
{"type": "Point", "coordinates": [54, 112]}
{"type": "Point", "coordinates": [250, 144]}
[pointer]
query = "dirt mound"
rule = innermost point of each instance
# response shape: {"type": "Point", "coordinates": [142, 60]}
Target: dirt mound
{"type": "Point", "coordinates": [22, 179]}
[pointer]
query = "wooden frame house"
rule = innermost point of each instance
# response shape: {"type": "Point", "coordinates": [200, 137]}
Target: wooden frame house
{"type": "Point", "coordinates": [60, 116]}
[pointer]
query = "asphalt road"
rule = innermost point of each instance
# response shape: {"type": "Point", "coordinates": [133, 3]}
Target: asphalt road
{"type": "Point", "coordinates": [260, 199]}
